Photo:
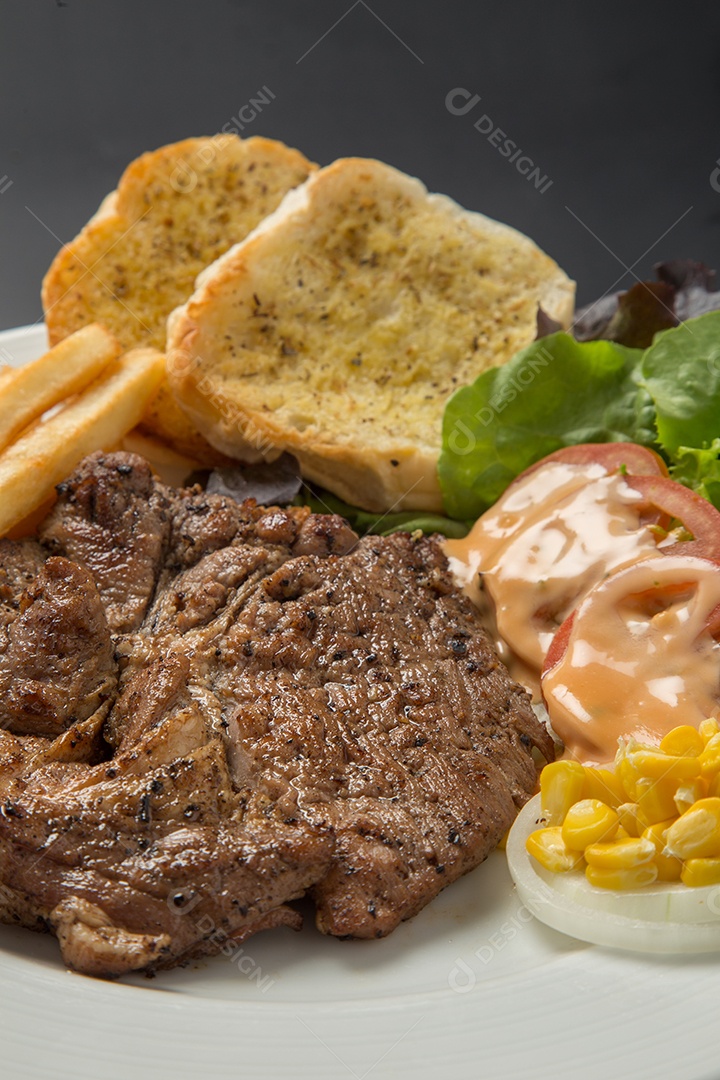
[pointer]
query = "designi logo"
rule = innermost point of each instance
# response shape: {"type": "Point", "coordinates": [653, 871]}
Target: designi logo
{"type": "Point", "coordinates": [715, 177]}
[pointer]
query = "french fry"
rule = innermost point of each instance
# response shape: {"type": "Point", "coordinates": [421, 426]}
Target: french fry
{"type": "Point", "coordinates": [29, 391]}
{"type": "Point", "coordinates": [172, 468]}
{"type": "Point", "coordinates": [97, 419]}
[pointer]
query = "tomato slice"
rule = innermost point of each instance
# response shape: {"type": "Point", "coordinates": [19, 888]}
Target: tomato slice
{"type": "Point", "coordinates": [638, 656]}
{"type": "Point", "coordinates": [560, 527]}
{"type": "Point", "coordinates": [697, 514]}
{"type": "Point", "coordinates": [615, 456]}
{"type": "Point", "coordinates": [559, 644]}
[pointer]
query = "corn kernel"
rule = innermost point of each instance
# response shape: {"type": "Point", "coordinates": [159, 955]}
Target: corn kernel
{"type": "Point", "coordinates": [708, 728]}
{"type": "Point", "coordinates": [629, 820]}
{"type": "Point", "coordinates": [551, 851]}
{"type": "Point", "coordinates": [657, 832]}
{"type": "Point", "coordinates": [656, 799]}
{"type": "Point", "coordinates": [636, 877]}
{"type": "Point", "coordinates": [620, 854]}
{"type": "Point", "coordinates": [710, 757]}
{"type": "Point", "coordinates": [689, 793]}
{"type": "Point", "coordinates": [683, 741]}
{"type": "Point", "coordinates": [653, 763]}
{"type": "Point", "coordinates": [696, 835]}
{"type": "Point", "coordinates": [699, 872]}
{"type": "Point", "coordinates": [561, 785]}
{"type": "Point", "coordinates": [627, 773]}
{"type": "Point", "coordinates": [587, 822]}
{"type": "Point", "coordinates": [668, 866]}
{"type": "Point", "coordinates": [604, 785]}
{"type": "Point", "coordinates": [656, 818]}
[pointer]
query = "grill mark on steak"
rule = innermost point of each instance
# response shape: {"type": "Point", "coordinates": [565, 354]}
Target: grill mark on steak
{"type": "Point", "coordinates": [298, 711]}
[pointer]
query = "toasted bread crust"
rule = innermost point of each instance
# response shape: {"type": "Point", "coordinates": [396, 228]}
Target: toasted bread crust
{"type": "Point", "coordinates": [175, 210]}
{"type": "Point", "coordinates": [339, 328]}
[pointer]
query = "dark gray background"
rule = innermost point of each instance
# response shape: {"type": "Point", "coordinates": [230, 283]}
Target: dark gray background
{"type": "Point", "coordinates": [617, 103]}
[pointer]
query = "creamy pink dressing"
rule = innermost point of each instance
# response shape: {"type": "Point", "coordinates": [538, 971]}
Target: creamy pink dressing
{"type": "Point", "coordinates": [544, 544]}
{"type": "Point", "coordinates": [633, 671]}
{"type": "Point", "coordinates": [635, 665]}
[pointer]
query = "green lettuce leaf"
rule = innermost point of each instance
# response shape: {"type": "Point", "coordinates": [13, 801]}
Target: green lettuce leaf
{"type": "Point", "coordinates": [555, 393]}
{"type": "Point", "coordinates": [681, 371]}
{"type": "Point", "coordinates": [699, 469]}
{"type": "Point", "coordinates": [382, 524]}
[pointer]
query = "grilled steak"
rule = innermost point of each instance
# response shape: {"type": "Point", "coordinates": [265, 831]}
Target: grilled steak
{"type": "Point", "coordinates": [282, 709]}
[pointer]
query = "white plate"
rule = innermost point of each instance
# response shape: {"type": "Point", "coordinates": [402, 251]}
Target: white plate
{"type": "Point", "coordinates": [473, 987]}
